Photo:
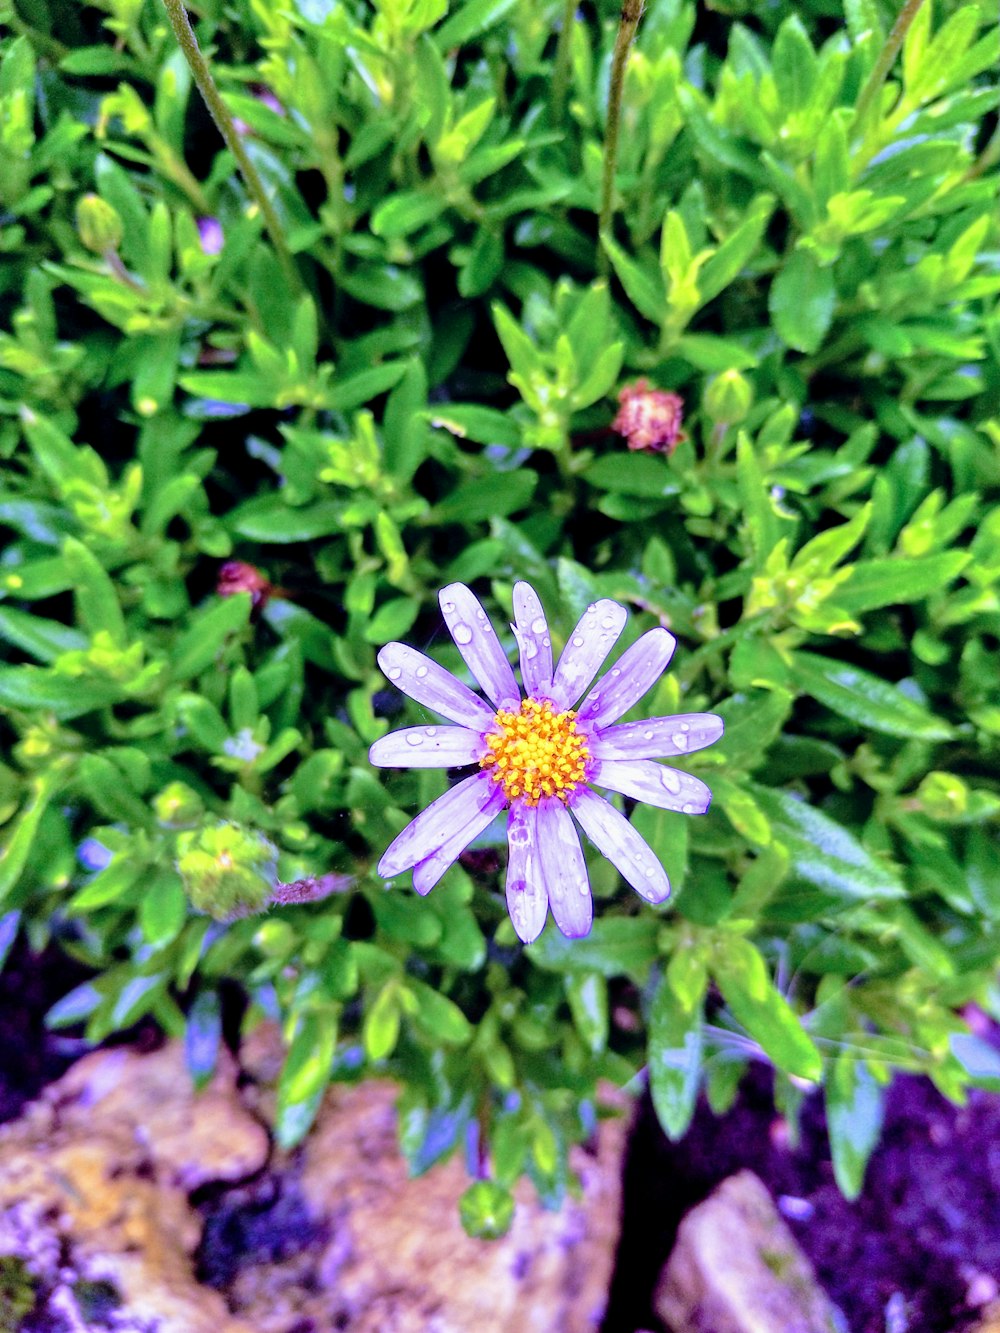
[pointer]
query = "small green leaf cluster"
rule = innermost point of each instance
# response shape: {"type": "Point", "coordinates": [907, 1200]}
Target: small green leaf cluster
{"type": "Point", "coordinates": [804, 246]}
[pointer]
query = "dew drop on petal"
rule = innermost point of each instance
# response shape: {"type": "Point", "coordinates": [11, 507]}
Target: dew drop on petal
{"type": "Point", "coordinates": [395, 673]}
{"type": "Point", "coordinates": [670, 780]}
{"type": "Point", "coordinates": [647, 735]}
{"type": "Point", "coordinates": [650, 872]}
{"type": "Point", "coordinates": [420, 672]}
{"type": "Point", "coordinates": [592, 609]}
{"type": "Point", "coordinates": [584, 888]}
{"type": "Point", "coordinates": [690, 809]}
{"type": "Point", "coordinates": [680, 740]}
{"type": "Point", "coordinates": [538, 625]}
{"type": "Point", "coordinates": [578, 641]}
{"type": "Point", "coordinates": [608, 622]}
{"type": "Point", "coordinates": [462, 634]}
{"type": "Point", "coordinates": [547, 642]}
{"type": "Point", "coordinates": [615, 671]}
{"type": "Point", "coordinates": [414, 740]}
{"type": "Point", "coordinates": [531, 650]}
{"type": "Point", "coordinates": [447, 607]}
{"type": "Point", "coordinates": [430, 731]}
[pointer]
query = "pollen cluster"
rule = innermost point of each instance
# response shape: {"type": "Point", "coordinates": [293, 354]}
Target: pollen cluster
{"type": "Point", "coordinates": [536, 752]}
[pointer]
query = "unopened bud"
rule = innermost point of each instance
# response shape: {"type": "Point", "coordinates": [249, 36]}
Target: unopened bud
{"type": "Point", "coordinates": [98, 225]}
{"type": "Point", "coordinates": [228, 871]}
{"type": "Point", "coordinates": [178, 806]}
{"type": "Point", "coordinates": [728, 398]}
{"type": "Point", "coordinates": [240, 576]}
{"type": "Point", "coordinates": [649, 418]}
{"type": "Point", "coordinates": [486, 1210]}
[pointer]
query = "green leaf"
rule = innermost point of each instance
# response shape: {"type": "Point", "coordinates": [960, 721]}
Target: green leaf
{"type": "Point", "coordinates": [305, 1075]}
{"type": "Point", "coordinates": [736, 251]}
{"type": "Point", "coordinates": [633, 474]}
{"type": "Point", "coordinates": [897, 580]}
{"type": "Point", "coordinates": [823, 852]}
{"type": "Point", "coordinates": [43, 639]}
{"type": "Point", "coordinates": [21, 833]}
{"type": "Point", "coordinates": [163, 909]}
{"type": "Point", "coordinates": [200, 645]}
{"type": "Point", "coordinates": [469, 21]}
{"type": "Point", "coordinates": [469, 421]}
{"type": "Point", "coordinates": [97, 605]}
{"type": "Point", "coordinates": [587, 993]}
{"type": "Point", "coordinates": [380, 1031]}
{"type": "Point", "coordinates": [756, 1003]}
{"type": "Point", "coordinates": [406, 212]}
{"type": "Point", "coordinates": [854, 1111]}
{"type": "Point", "coordinates": [488, 497]}
{"type": "Point", "coordinates": [801, 302]}
{"type": "Point", "coordinates": [269, 518]}
{"type": "Point", "coordinates": [65, 697]}
{"type": "Point", "coordinates": [644, 287]}
{"type": "Point", "coordinates": [437, 1016]}
{"type": "Point", "coordinates": [752, 723]}
{"type": "Point", "coordinates": [674, 1058]}
{"type": "Point", "coordinates": [794, 64]}
{"type": "Point", "coordinates": [615, 947]}
{"type": "Point", "coordinates": [864, 698]}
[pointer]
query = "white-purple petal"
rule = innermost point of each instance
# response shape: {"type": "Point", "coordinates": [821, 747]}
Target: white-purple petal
{"type": "Point", "coordinates": [657, 737]}
{"type": "Point", "coordinates": [476, 639]}
{"type": "Point", "coordinates": [428, 747]}
{"type": "Point", "coordinates": [635, 672]}
{"type": "Point", "coordinates": [533, 640]}
{"type": "Point", "coordinates": [563, 869]}
{"type": "Point", "coordinates": [656, 784]}
{"type": "Point", "coordinates": [427, 872]}
{"type": "Point", "coordinates": [596, 633]}
{"type": "Point", "coordinates": [527, 901]}
{"type": "Point", "coordinates": [434, 826]}
{"type": "Point", "coordinates": [615, 838]}
{"type": "Point", "coordinates": [422, 679]}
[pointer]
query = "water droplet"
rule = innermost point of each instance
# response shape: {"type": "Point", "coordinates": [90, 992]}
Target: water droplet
{"type": "Point", "coordinates": [447, 607]}
{"type": "Point", "coordinates": [420, 672]}
{"type": "Point", "coordinates": [592, 609]}
{"type": "Point", "coordinates": [670, 780]}
{"type": "Point", "coordinates": [647, 735]}
{"type": "Point", "coordinates": [411, 739]}
{"type": "Point", "coordinates": [547, 643]}
{"type": "Point", "coordinates": [462, 634]}
{"type": "Point", "coordinates": [578, 641]}
{"type": "Point", "coordinates": [538, 625]}
{"type": "Point", "coordinates": [650, 871]}
{"type": "Point", "coordinates": [430, 731]}
{"type": "Point", "coordinates": [690, 809]}
{"type": "Point", "coordinates": [680, 740]}
{"type": "Point", "coordinates": [685, 726]}
{"type": "Point", "coordinates": [616, 671]}
{"type": "Point", "coordinates": [608, 622]}
{"type": "Point", "coordinates": [531, 650]}
{"type": "Point", "coordinates": [603, 639]}
{"type": "Point", "coordinates": [584, 888]}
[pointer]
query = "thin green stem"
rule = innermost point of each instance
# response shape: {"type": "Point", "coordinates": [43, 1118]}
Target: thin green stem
{"type": "Point", "coordinates": [209, 90]}
{"type": "Point", "coordinates": [561, 69]}
{"type": "Point", "coordinates": [627, 25]}
{"type": "Point", "coordinates": [887, 56]}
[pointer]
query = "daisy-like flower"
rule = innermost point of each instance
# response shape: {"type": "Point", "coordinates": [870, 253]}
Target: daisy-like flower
{"type": "Point", "coordinates": [539, 755]}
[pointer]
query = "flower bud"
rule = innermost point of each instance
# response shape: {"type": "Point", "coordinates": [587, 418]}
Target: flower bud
{"type": "Point", "coordinates": [178, 806]}
{"type": "Point", "coordinates": [240, 576]}
{"type": "Point", "coordinates": [98, 225]}
{"type": "Point", "coordinates": [649, 418]}
{"type": "Point", "coordinates": [486, 1210]}
{"type": "Point", "coordinates": [728, 398]}
{"type": "Point", "coordinates": [228, 871]}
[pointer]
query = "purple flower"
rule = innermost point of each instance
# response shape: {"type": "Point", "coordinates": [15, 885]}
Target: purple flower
{"type": "Point", "coordinates": [538, 757]}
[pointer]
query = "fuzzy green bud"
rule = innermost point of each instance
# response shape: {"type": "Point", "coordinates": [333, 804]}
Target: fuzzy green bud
{"type": "Point", "coordinates": [486, 1210]}
{"type": "Point", "coordinates": [98, 224]}
{"type": "Point", "coordinates": [728, 398]}
{"type": "Point", "coordinates": [178, 806]}
{"type": "Point", "coordinates": [228, 871]}
{"type": "Point", "coordinates": [943, 795]}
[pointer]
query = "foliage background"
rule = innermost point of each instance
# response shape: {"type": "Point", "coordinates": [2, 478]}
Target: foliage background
{"type": "Point", "coordinates": [810, 257]}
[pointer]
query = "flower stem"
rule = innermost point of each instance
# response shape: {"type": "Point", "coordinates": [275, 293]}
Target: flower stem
{"type": "Point", "coordinates": [209, 90]}
{"type": "Point", "coordinates": [882, 66]}
{"type": "Point", "coordinates": [564, 51]}
{"type": "Point", "coordinates": [627, 25]}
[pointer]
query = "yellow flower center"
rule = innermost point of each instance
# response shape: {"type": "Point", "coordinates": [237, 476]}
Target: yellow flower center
{"type": "Point", "coordinates": [536, 752]}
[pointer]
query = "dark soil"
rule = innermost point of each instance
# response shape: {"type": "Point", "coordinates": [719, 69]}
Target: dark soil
{"type": "Point", "coordinates": [30, 1055]}
{"type": "Point", "coordinates": [902, 1257]}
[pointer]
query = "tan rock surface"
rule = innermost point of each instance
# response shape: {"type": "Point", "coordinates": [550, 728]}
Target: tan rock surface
{"type": "Point", "coordinates": [94, 1183]}
{"type": "Point", "coordinates": [395, 1258]}
{"type": "Point", "coordinates": [736, 1268]}
{"type": "Point", "coordinates": [94, 1180]}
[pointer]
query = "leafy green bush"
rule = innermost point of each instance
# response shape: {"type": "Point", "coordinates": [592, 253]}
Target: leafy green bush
{"type": "Point", "coordinates": [233, 471]}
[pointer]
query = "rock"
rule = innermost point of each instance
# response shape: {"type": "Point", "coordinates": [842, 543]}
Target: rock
{"type": "Point", "coordinates": [736, 1268]}
{"type": "Point", "coordinates": [393, 1257]}
{"type": "Point", "coordinates": [93, 1191]}
{"type": "Point", "coordinates": [95, 1212]}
